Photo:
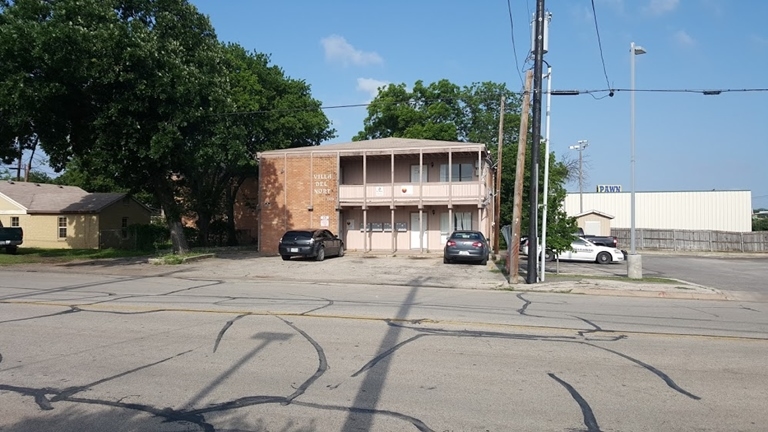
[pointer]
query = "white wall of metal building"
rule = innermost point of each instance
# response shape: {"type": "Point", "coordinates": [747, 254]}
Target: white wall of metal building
{"type": "Point", "coordinates": [694, 210]}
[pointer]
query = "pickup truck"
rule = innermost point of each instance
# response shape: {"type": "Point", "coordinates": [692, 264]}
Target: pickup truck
{"type": "Point", "coordinates": [11, 238]}
{"type": "Point", "coordinates": [607, 241]}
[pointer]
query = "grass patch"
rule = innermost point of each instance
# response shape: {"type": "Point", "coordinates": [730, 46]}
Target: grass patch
{"type": "Point", "coordinates": [53, 256]}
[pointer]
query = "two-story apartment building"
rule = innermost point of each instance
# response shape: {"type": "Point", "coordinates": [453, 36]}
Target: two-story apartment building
{"type": "Point", "coordinates": [386, 194]}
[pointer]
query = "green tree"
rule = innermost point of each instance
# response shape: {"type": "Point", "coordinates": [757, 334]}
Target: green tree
{"type": "Point", "coordinates": [126, 86]}
{"type": "Point", "coordinates": [445, 111]}
{"type": "Point", "coordinates": [268, 110]}
{"type": "Point", "coordinates": [760, 224]}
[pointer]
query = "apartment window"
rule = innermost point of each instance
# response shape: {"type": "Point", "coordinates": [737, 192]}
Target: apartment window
{"type": "Point", "coordinates": [62, 227]}
{"type": "Point", "coordinates": [124, 227]}
{"type": "Point", "coordinates": [14, 221]}
{"type": "Point", "coordinates": [459, 172]}
{"type": "Point", "coordinates": [461, 221]}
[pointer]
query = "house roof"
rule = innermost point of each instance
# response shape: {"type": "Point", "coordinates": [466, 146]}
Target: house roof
{"type": "Point", "coordinates": [597, 212]}
{"type": "Point", "coordinates": [49, 198]}
{"type": "Point", "coordinates": [385, 145]}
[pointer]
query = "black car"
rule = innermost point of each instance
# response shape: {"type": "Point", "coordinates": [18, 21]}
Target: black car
{"type": "Point", "coordinates": [310, 243]}
{"type": "Point", "coordinates": [466, 246]}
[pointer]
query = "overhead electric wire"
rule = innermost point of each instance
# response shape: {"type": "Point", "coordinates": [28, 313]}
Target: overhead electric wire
{"type": "Point", "coordinates": [600, 45]}
{"type": "Point", "coordinates": [514, 45]}
{"type": "Point", "coordinates": [591, 92]}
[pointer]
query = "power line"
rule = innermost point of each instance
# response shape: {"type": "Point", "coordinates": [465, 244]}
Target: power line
{"type": "Point", "coordinates": [600, 45]}
{"type": "Point", "coordinates": [591, 92]}
{"type": "Point", "coordinates": [514, 45]}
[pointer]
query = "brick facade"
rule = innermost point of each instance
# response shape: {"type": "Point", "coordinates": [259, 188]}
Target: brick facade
{"type": "Point", "coordinates": [296, 191]}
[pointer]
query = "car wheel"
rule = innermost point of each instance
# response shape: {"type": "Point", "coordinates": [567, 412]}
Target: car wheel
{"type": "Point", "coordinates": [604, 258]}
{"type": "Point", "coordinates": [484, 261]}
{"type": "Point", "coordinates": [446, 260]}
{"type": "Point", "coordinates": [549, 256]}
{"type": "Point", "coordinates": [285, 257]}
{"type": "Point", "coordinates": [320, 254]}
{"type": "Point", "coordinates": [341, 250]}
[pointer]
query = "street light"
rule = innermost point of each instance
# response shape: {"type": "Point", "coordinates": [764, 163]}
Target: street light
{"type": "Point", "coordinates": [580, 147]}
{"type": "Point", "coordinates": [634, 261]}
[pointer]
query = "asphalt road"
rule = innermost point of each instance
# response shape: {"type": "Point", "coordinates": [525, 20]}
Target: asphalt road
{"type": "Point", "coordinates": [745, 277]}
{"type": "Point", "coordinates": [182, 352]}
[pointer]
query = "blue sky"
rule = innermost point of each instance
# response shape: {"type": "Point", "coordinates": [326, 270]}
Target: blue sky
{"type": "Point", "coordinates": [345, 48]}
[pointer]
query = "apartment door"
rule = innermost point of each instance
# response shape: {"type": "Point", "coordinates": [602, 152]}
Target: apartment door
{"type": "Point", "coordinates": [418, 236]}
{"type": "Point", "coordinates": [415, 173]}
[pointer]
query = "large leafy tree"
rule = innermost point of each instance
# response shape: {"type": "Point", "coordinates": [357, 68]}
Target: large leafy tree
{"type": "Point", "coordinates": [446, 111]}
{"type": "Point", "coordinates": [128, 87]}
{"type": "Point", "coordinates": [266, 110]}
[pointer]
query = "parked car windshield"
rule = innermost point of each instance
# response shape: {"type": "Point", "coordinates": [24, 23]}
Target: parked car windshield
{"type": "Point", "coordinates": [298, 235]}
{"type": "Point", "coordinates": [467, 235]}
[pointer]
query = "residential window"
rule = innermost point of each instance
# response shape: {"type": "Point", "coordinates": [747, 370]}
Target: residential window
{"type": "Point", "coordinates": [459, 172]}
{"type": "Point", "coordinates": [124, 227]}
{"type": "Point", "coordinates": [62, 227]}
{"type": "Point", "coordinates": [461, 221]}
{"type": "Point", "coordinates": [14, 221]}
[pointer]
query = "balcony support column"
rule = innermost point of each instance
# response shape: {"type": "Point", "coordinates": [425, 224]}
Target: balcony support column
{"type": "Point", "coordinates": [394, 231]}
{"type": "Point", "coordinates": [365, 203]}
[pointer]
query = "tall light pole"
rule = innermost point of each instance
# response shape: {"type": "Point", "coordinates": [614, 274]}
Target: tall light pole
{"type": "Point", "coordinates": [545, 196]}
{"type": "Point", "coordinates": [580, 147]}
{"type": "Point", "coordinates": [634, 261]}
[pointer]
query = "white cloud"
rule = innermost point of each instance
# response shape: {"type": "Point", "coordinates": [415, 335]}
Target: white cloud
{"type": "Point", "coordinates": [760, 40]}
{"type": "Point", "coordinates": [370, 86]}
{"type": "Point", "coordinates": [338, 49]}
{"type": "Point", "coordinates": [684, 39]}
{"type": "Point", "coordinates": [659, 7]}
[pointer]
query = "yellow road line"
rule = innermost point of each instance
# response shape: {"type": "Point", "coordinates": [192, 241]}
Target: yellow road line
{"type": "Point", "coordinates": [415, 321]}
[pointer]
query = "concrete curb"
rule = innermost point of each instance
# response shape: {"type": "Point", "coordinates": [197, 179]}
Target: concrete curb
{"type": "Point", "coordinates": [184, 260]}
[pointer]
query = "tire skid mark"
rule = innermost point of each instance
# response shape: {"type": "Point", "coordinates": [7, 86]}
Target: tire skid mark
{"type": "Point", "coordinates": [40, 395]}
{"type": "Point", "coordinates": [321, 367]}
{"type": "Point", "coordinates": [72, 309]}
{"type": "Point", "coordinates": [664, 377]}
{"type": "Point", "coordinates": [224, 329]}
{"type": "Point", "coordinates": [387, 353]}
{"type": "Point", "coordinates": [328, 304]}
{"type": "Point", "coordinates": [516, 336]}
{"type": "Point", "coordinates": [523, 310]}
{"type": "Point", "coordinates": [209, 284]}
{"type": "Point", "coordinates": [703, 311]}
{"type": "Point", "coordinates": [168, 414]}
{"type": "Point", "coordinates": [66, 393]}
{"type": "Point", "coordinates": [589, 417]}
{"type": "Point", "coordinates": [420, 425]}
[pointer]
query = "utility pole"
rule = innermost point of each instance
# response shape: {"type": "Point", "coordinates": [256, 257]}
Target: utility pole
{"type": "Point", "coordinates": [513, 262]}
{"type": "Point", "coordinates": [533, 217]}
{"type": "Point", "coordinates": [497, 204]}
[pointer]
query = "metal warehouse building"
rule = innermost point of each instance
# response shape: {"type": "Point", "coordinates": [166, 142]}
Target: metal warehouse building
{"type": "Point", "coordinates": [687, 210]}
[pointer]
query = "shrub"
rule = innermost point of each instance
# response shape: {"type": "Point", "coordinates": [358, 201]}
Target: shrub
{"type": "Point", "coordinates": [150, 236]}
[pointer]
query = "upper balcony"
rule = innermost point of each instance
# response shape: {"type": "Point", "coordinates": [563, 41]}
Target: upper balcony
{"type": "Point", "coordinates": [379, 194]}
{"type": "Point", "coordinates": [413, 179]}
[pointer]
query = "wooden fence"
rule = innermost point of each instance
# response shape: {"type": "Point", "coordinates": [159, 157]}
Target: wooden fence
{"type": "Point", "coordinates": [690, 240]}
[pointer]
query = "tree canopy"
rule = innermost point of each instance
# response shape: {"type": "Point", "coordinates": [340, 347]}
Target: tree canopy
{"type": "Point", "coordinates": [446, 111]}
{"type": "Point", "coordinates": [140, 95]}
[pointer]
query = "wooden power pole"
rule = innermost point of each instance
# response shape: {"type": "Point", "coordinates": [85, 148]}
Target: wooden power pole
{"type": "Point", "coordinates": [497, 203]}
{"type": "Point", "coordinates": [513, 263]}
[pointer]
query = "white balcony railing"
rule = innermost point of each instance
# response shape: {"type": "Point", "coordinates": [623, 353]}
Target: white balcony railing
{"type": "Point", "coordinates": [408, 192]}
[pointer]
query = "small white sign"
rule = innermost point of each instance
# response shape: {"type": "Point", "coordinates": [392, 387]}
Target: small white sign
{"type": "Point", "coordinates": [325, 221]}
{"type": "Point", "coordinates": [379, 191]}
